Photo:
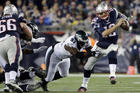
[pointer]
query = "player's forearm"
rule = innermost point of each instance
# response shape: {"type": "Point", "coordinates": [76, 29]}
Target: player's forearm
{"type": "Point", "coordinates": [26, 31]}
{"type": "Point", "coordinates": [109, 31]}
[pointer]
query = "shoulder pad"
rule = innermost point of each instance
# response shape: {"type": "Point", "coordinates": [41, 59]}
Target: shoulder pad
{"type": "Point", "coordinates": [114, 12]}
{"type": "Point", "coordinates": [94, 20]}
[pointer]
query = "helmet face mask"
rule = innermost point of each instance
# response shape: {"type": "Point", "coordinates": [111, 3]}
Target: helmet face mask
{"type": "Point", "coordinates": [10, 9]}
{"type": "Point", "coordinates": [103, 15]}
{"type": "Point", "coordinates": [102, 11]}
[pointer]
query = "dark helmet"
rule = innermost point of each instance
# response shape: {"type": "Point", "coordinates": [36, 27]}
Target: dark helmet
{"type": "Point", "coordinates": [34, 29]}
{"type": "Point", "coordinates": [81, 37]}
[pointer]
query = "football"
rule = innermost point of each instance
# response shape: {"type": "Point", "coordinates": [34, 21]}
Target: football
{"type": "Point", "coordinates": [125, 26]}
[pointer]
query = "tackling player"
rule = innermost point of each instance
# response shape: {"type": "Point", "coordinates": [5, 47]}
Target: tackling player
{"type": "Point", "coordinates": [105, 26]}
{"type": "Point", "coordinates": [58, 56]}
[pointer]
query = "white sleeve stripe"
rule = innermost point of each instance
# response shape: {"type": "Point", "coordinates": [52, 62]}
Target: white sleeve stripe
{"type": "Point", "coordinates": [116, 12]}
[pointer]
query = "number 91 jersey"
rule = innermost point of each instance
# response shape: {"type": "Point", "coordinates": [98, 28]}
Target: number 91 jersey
{"type": "Point", "coordinates": [100, 26]}
{"type": "Point", "coordinates": [10, 24]}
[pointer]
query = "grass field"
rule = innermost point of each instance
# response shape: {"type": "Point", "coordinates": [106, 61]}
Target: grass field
{"type": "Point", "coordinates": [98, 84]}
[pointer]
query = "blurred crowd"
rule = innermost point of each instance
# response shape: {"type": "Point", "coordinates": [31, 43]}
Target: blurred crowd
{"type": "Point", "coordinates": [70, 12]}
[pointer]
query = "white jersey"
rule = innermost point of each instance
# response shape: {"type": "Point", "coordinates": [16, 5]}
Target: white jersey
{"type": "Point", "coordinates": [62, 53]}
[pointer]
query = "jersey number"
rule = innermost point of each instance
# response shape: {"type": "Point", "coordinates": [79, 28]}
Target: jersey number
{"type": "Point", "coordinates": [8, 26]}
{"type": "Point", "coordinates": [107, 27]}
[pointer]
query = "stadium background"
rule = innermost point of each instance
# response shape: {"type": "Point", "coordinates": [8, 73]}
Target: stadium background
{"type": "Point", "coordinates": [58, 19]}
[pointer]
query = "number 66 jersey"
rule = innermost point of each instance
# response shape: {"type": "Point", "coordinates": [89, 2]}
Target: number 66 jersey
{"type": "Point", "coordinates": [10, 25]}
{"type": "Point", "coordinates": [10, 48]}
{"type": "Point", "coordinates": [100, 26]}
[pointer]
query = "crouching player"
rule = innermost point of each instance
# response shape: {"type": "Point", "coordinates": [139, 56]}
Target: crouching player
{"type": "Point", "coordinates": [58, 56]}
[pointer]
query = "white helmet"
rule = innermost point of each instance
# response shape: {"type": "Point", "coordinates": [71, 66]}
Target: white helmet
{"type": "Point", "coordinates": [102, 10]}
{"type": "Point", "coordinates": [10, 9]}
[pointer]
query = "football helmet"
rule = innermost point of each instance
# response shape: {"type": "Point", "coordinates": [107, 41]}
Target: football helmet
{"type": "Point", "coordinates": [102, 10]}
{"type": "Point", "coordinates": [34, 29]}
{"type": "Point", "coordinates": [10, 9]}
{"type": "Point", "coordinates": [81, 37]}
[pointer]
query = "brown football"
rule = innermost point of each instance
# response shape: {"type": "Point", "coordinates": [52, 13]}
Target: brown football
{"type": "Point", "coordinates": [124, 26]}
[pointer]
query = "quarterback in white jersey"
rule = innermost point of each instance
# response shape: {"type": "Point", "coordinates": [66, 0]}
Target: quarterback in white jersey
{"type": "Point", "coordinates": [58, 56]}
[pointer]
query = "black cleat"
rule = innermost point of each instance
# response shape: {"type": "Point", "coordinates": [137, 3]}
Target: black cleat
{"type": "Point", "coordinates": [82, 89]}
{"type": "Point", "coordinates": [113, 80]}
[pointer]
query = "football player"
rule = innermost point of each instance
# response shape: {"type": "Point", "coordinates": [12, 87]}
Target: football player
{"type": "Point", "coordinates": [26, 79]}
{"type": "Point", "coordinates": [10, 48]}
{"type": "Point", "coordinates": [34, 29]}
{"type": "Point", "coordinates": [57, 57]}
{"type": "Point", "coordinates": [105, 26]}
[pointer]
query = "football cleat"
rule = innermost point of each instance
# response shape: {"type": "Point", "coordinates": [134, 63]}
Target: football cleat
{"type": "Point", "coordinates": [113, 80]}
{"type": "Point", "coordinates": [82, 89]}
{"type": "Point", "coordinates": [14, 87]}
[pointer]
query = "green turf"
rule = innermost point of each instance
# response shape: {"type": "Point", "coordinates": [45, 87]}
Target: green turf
{"type": "Point", "coordinates": [96, 85]}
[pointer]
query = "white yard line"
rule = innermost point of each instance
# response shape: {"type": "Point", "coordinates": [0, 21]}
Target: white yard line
{"type": "Point", "coordinates": [103, 75]}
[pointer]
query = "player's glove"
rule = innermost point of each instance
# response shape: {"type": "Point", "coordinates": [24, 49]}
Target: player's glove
{"type": "Point", "coordinates": [38, 40]}
{"type": "Point", "coordinates": [40, 49]}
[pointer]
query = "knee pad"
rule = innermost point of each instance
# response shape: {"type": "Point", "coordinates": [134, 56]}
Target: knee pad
{"type": "Point", "coordinates": [112, 57]}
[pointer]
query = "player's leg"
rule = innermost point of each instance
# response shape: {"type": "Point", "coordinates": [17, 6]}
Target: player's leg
{"type": "Point", "coordinates": [14, 56]}
{"type": "Point", "coordinates": [4, 59]}
{"type": "Point", "coordinates": [51, 65]}
{"type": "Point", "coordinates": [30, 87]}
{"type": "Point", "coordinates": [63, 69]}
{"type": "Point", "coordinates": [87, 73]}
{"type": "Point", "coordinates": [112, 57]}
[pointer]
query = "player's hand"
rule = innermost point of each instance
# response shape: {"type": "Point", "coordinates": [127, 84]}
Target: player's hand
{"type": "Point", "coordinates": [120, 22]}
{"type": "Point", "coordinates": [38, 40]}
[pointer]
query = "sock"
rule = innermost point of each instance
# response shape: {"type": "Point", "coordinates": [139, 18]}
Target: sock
{"type": "Point", "coordinates": [112, 68]}
{"type": "Point", "coordinates": [85, 82]}
{"type": "Point", "coordinates": [13, 75]}
{"type": "Point", "coordinates": [7, 77]}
